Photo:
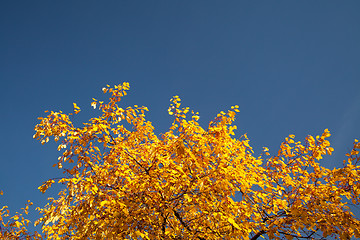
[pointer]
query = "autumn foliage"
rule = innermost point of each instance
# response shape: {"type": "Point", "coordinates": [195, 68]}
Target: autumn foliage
{"type": "Point", "coordinates": [122, 181]}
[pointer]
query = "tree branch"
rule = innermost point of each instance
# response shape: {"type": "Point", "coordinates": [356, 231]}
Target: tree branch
{"type": "Point", "coordinates": [258, 235]}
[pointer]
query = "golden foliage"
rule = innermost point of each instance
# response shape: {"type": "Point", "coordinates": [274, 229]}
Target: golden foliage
{"type": "Point", "coordinates": [125, 182]}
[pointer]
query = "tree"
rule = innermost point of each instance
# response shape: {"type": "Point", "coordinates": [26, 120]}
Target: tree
{"type": "Point", "coordinates": [122, 181]}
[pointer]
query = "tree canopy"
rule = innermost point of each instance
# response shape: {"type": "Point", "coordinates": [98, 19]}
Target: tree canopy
{"type": "Point", "coordinates": [123, 181]}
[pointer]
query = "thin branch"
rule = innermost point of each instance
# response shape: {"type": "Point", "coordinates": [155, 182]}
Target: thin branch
{"type": "Point", "coordinates": [256, 236]}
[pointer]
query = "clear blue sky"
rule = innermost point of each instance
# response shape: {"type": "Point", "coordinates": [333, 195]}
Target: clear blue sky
{"type": "Point", "coordinates": [293, 67]}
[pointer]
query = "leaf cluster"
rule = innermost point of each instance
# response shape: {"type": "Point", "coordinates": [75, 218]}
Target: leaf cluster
{"type": "Point", "coordinates": [122, 181]}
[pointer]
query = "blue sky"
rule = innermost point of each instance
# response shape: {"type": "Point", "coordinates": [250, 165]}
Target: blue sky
{"type": "Point", "coordinates": [291, 66]}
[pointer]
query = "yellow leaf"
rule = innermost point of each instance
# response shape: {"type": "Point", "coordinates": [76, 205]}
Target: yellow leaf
{"type": "Point", "coordinates": [75, 106]}
{"type": "Point", "coordinates": [94, 189]}
{"type": "Point", "coordinates": [232, 221]}
{"type": "Point", "coordinates": [18, 224]}
{"type": "Point", "coordinates": [104, 203]}
{"type": "Point", "coordinates": [93, 104]}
